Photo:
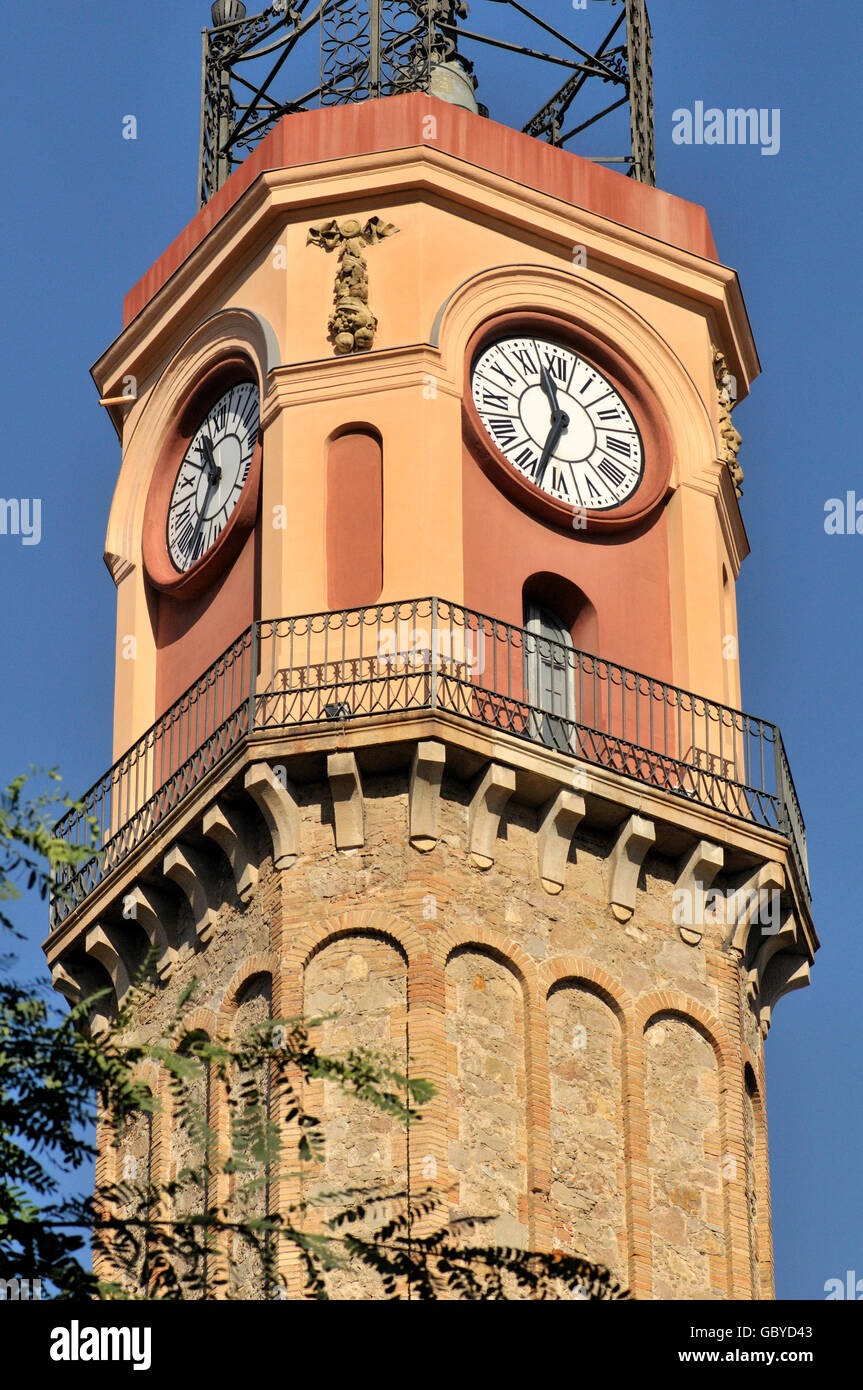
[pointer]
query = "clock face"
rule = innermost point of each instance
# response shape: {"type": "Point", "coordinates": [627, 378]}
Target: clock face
{"type": "Point", "coordinates": [211, 476]}
{"type": "Point", "coordinates": [559, 421]}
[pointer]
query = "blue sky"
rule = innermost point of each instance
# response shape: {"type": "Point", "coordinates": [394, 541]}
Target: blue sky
{"type": "Point", "coordinates": [86, 212]}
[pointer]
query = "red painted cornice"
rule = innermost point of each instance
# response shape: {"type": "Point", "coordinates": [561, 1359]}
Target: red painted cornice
{"type": "Point", "coordinates": [394, 123]}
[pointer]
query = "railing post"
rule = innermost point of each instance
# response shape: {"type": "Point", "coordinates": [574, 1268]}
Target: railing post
{"type": "Point", "coordinates": [374, 48]}
{"type": "Point", "coordinates": [781, 796]}
{"type": "Point", "coordinates": [435, 652]}
{"type": "Point", "coordinates": [254, 638]}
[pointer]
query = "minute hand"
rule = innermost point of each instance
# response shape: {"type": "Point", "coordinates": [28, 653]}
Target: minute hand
{"type": "Point", "coordinates": [559, 422]}
{"type": "Point", "coordinates": [202, 517]}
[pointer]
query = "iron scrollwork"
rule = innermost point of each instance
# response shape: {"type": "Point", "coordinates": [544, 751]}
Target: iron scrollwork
{"type": "Point", "coordinates": [377, 48]}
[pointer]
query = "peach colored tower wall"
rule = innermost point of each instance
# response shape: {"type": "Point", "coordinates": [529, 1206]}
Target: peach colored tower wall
{"type": "Point", "coordinates": [487, 221]}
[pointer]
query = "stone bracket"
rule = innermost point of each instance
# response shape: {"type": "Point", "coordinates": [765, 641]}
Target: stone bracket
{"type": "Point", "coordinates": [347, 794]}
{"type": "Point", "coordinates": [768, 878]}
{"type": "Point", "coordinates": [785, 972]}
{"type": "Point", "coordinates": [278, 806]}
{"type": "Point", "coordinates": [228, 828]}
{"type": "Point", "coordinates": [191, 873]}
{"type": "Point", "coordinates": [784, 940]}
{"type": "Point", "coordinates": [634, 840]}
{"type": "Point", "coordinates": [427, 770]}
{"type": "Point", "coordinates": [493, 790]}
{"type": "Point", "coordinates": [557, 823]}
{"type": "Point", "coordinates": [152, 911]}
{"type": "Point", "coordinates": [104, 945]}
{"type": "Point", "coordinates": [696, 875]}
{"type": "Point", "coordinates": [72, 987]}
{"type": "Point", "coordinates": [80, 979]}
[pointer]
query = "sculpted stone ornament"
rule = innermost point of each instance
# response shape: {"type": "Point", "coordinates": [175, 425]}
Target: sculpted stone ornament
{"type": "Point", "coordinates": [730, 439]}
{"type": "Point", "coordinates": [352, 323]}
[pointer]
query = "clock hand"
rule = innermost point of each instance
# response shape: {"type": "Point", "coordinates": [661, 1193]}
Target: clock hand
{"type": "Point", "coordinates": [193, 541]}
{"type": "Point", "coordinates": [559, 422]}
{"type": "Point", "coordinates": [214, 472]}
{"type": "Point", "coordinates": [547, 383]}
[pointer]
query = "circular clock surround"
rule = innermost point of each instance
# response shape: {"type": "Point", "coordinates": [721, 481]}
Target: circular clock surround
{"type": "Point", "coordinates": [652, 464]}
{"type": "Point", "coordinates": [167, 483]}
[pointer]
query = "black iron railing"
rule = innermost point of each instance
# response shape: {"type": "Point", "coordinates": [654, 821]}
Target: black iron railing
{"type": "Point", "coordinates": [429, 654]}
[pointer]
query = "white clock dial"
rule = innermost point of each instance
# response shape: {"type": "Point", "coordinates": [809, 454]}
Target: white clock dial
{"type": "Point", "coordinates": [559, 421]}
{"type": "Point", "coordinates": [211, 477]}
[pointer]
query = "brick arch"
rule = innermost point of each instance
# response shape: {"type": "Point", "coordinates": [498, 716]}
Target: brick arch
{"type": "Point", "coordinates": [154, 1079]}
{"type": "Point", "coordinates": [673, 1004]}
{"type": "Point", "coordinates": [109, 1162]}
{"type": "Point", "coordinates": [679, 1005]}
{"type": "Point", "coordinates": [205, 1021]}
{"type": "Point", "coordinates": [513, 958]}
{"type": "Point", "coordinates": [757, 1065]}
{"type": "Point", "coordinates": [501, 948]}
{"type": "Point", "coordinates": [262, 963]}
{"type": "Point", "coordinates": [562, 969]}
{"type": "Point", "coordinates": [532, 1102]}
{"type": "Point", "coordinates": [200, 1019]}
{"type": "Point", "coordinates": [363, 922]}
{"type": "Point", "coordinates": [761, 1176]}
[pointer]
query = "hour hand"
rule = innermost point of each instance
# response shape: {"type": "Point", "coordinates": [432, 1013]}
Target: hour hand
{"type": "Point", "coordinates": [214, 473]}
{"type": "Point", "coordinates": [548, 386]}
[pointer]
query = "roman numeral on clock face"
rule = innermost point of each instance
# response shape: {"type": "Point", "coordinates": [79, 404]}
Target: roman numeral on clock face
{"type": "Point", "coordinates": [558, 484]}
{"type": "Point", "coordinates": [496, 367]}
{"type": "Point", "coordinates": [503, 429]}
{"type": "Point", "coordinates": [619, 445]}
{"type": "Point", "coordinates": [610, 470]}
{"type": "Point", "coordinates": [526, 457]}
{"type": "Point", "coordinates": [591, 488]}
{"type": "Point", "coordinates": [557, 365]}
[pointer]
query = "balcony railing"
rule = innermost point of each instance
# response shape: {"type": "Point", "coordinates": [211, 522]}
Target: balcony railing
{"type": "Point", "coordinates": [429, 654]}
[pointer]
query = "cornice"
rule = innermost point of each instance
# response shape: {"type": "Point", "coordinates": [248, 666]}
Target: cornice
{"type": "Point", "coordinates": [363, 180]}
{"type": "Point", "coordinates": [537, 772]}
{"type": "Point", "coordinates": [731, 520]}
{"type": "Point", "coordinates": [383, 369]}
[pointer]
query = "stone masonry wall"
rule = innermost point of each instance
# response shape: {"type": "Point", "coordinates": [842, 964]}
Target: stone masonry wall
{"type": "Point", "coordinates": [589, 1072]}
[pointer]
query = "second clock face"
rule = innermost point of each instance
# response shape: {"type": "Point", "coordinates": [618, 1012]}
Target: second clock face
{"type": "Point", "coordinates": [211, 476]}
{"type": "Point", "coordinates": [559, 421]}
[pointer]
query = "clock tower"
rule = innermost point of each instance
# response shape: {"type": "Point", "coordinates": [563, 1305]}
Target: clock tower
{"type": "Point", "coordinates": [428, 711]}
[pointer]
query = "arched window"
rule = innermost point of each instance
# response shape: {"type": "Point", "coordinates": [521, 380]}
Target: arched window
{"type": "Point", "coordinates": [550, 678]}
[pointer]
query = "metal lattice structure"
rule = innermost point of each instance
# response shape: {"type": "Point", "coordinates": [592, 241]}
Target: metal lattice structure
{"type": "Point", "coordinates": [337, 51]}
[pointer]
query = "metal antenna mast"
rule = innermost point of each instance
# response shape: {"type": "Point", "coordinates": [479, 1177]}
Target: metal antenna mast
{"type": "Point", "coordinates": [353, 50]}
